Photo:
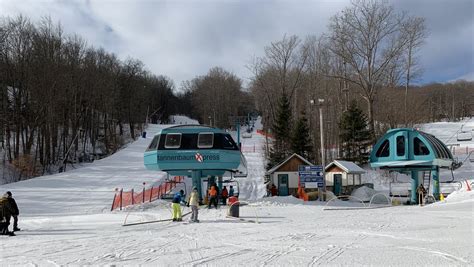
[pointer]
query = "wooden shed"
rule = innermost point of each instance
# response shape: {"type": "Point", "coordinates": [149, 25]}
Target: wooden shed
{"type": "Point", "coordinates": [285, 175]}
{"type": "Point", "coordinates": [343, 176]}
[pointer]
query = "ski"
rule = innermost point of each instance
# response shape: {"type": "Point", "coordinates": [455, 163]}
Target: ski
{"type": "Point", "coordinates": [241, 219]}
{"type": "Point", "coordinates": [154, 221]}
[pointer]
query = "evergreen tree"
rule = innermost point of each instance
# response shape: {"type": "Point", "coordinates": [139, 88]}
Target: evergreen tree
{"type": "Point", "coordinates": [300, 141]}
{"type": "Point", "coordinates": [281, 132]}
{"type": "Point", "coordinates": [354, 134]}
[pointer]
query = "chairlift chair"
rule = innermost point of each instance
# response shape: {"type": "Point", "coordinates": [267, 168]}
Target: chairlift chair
{"type": "Point", "coordinates": [464, 136]}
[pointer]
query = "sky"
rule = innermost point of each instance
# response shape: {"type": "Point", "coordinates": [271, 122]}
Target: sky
{"type": "Point", "coordinates": [184, 39]}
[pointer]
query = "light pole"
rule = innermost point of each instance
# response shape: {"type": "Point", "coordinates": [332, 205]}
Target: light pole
{"type": "Point", "coordinates": [210, 120]}
{"type": "Point", "coordinates": [311, 102]}
{"type": "Point", "coordinates": [323, 156]}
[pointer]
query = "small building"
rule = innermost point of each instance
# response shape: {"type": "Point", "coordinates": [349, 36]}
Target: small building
{"type": "Point", "coordinates": [285, 175]}
{"type": "Point", "coordinates": [343, 176]}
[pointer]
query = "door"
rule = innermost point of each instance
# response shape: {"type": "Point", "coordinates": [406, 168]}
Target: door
{"type": "Point", "coordinates": [337, 184]}
{"type": "Point", "coordinates": [283, 184]}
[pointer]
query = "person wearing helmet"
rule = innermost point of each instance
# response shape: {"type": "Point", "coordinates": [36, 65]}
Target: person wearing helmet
{"type": "Point", "coordinates": [177, 198]}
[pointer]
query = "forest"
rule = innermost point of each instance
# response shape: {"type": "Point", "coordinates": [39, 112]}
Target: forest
{"type": "Point", "coordinates": [64, 101]}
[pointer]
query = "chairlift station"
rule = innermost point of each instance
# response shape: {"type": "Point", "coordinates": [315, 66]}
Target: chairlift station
{"type": "Point", "coordinates": [408, 150]}
{"type": "Point", "coordinates": [197, 151]}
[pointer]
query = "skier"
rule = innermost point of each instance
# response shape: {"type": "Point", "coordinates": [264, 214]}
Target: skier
{"type": "Point", "coordinates": [177, 216]}
{"type": "Point", "coordinates": [6, 211]}
{"type": "Point", "coordinates": [231, 191]}
{"type": "Point", "coordinates": [224, 195]}
{"type": "Point", "coordinates": [212, 197]}
{"type": "Point", "coordinates": [193, 201]}
{"type": "Point", "coordinates": [15, 210]}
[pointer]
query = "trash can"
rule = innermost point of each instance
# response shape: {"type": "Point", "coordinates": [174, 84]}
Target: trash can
{"type": "Point", "coordinates": [234, 204]}
{"type": "Point", "coordinates": [144, 134]}
{"type": "Point", "coordinates": [234, 209]}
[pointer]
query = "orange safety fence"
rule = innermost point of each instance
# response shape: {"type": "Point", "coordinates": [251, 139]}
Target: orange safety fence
{"type": "Point", "coordinates": [264, 133]}
{"type": "Point", "coordinates": [461, 150]}
{"type": "Point", "coordinates": [124, 199]}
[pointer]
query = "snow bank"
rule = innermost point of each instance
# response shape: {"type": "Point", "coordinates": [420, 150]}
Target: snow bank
{"type": "Point", "coordinates": [178, 119]}
{"type": "Point", "coordinates": [280, 201]}
{"type": "Point", "coordinates": [460, 196]}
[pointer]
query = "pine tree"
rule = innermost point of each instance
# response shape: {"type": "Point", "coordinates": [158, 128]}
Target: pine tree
{"type": "Point", "coordinates": [300, 141]}
{"type": "Point", "coordinates": [281, 132]}
{"type": "Point", "coordinates": [354, 134]}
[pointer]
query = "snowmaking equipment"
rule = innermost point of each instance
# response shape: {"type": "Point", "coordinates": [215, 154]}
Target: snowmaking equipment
{"type": "Point", "coordinates": [197, 151]}
{"type": "Point", "coordinates": [412, 151]}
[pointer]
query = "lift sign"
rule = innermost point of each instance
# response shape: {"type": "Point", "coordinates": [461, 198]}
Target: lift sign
{"type": "Point", "coordinates": [197, 156]}
{"type": "Point", "coordinates": [311, 176]}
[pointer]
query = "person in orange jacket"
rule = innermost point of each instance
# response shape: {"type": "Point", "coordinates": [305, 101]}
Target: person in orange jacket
{"type": "Point", "coordinates": [224, 195]}
{"type": "Point", "coordinates": [212, 197]}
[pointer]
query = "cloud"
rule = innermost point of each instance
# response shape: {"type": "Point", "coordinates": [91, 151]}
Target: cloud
{"type": "Point", "coordinates": [449, 49]}
{"type": "Point", "coordinates": [183, 39]}
{"type": "Point", "coordinates": [466, 77]}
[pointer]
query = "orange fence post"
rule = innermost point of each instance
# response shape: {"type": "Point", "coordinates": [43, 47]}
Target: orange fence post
{"type": "Point", "coordinates": [143, 196]}
{"type": "Point", "coordinates": [113, 202]}
{"type": "Point", "coordinates": [151, 192]}
{"type": "Point", "coordinates": [132, 197]}
{"type": "Point", "coordinates": [121, 194]}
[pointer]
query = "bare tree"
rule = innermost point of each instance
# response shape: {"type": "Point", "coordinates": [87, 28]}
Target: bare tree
{"type": "Point", "coordinates": [414, 31]}
{"type": "Point", "coordinates": [367, 36]}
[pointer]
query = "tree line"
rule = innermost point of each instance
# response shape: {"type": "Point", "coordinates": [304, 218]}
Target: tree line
{"type": "Point", "coordinates": [63, 101]}
{"type": "Point", "coordinates": [217, 98]}
{"type": "Point", "coordinates": [364, 65]}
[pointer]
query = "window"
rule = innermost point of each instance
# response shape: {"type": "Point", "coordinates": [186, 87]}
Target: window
{"type": "Point", "coordinates": [400, 146]}
{"type": "Point", "coordinates": [228, 142]}
{"type": "Point", "coordinates": [189, 141]}
{"type": "Point", "coordinates": [153, 144]}
{"type": "Point", "coordinates": [420, 148]}
{"type": "Point", "coordinates": [384, 149]}
{"type": "Point", "coordinates": [205, 140]}
{"type": "Point", "coordinates": [173, 140]}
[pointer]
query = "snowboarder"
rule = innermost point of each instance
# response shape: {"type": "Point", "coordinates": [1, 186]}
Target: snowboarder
{"type": "Point", "coordinates": [224, 195]}
{"type": "Point", "coordinates": [193, 201]}
{"type": "Point", "coordinates": [231, 191]}
{"type": "Point", "coordinates": [177, 216]}
{"type": "Point", "coordinates": [421, 191]}
{"type": "Point", "coordinates": [212, 197]}
{"type": "Point", "coordinates": [15, 212]}
{"type": "Point", "coordinates": [6, 211]}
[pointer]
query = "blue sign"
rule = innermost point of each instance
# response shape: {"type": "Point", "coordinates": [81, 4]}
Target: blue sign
{"type": "Point", "coordinates": [311, 175]}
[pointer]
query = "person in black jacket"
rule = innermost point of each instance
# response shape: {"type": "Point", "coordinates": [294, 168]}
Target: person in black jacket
{"type": "Point", "coordinates": [15, 212]}
{"type": "Point", "coordinates": [6, 211]}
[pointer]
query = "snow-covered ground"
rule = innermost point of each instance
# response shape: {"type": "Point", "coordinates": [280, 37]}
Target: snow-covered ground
{"type": "Point", "coordinates": [66, 221]}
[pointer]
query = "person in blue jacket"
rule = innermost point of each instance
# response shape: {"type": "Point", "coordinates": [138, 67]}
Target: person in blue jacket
{"type": "Point", "coordinates": [177, 198]}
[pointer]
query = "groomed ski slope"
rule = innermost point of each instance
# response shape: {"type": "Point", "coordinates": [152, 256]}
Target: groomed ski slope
{"type": "Point", "coordinates": [66, 221]}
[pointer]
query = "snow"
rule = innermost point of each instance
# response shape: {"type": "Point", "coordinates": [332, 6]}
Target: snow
{"type": "Point", "coordinates": [66, 221]}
